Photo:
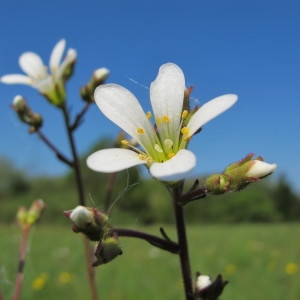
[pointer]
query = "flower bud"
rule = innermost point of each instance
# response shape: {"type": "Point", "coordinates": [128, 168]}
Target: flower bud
{"type": "Point", "coordinates": [260, 169]}
{"type": "Point", "coordinates": [203, 281]}
{"type": "Point", "coordinates": [107, 250]}
{"type": "Point", "coordinates": [205, 289]}
{"type": "Point", "coordinates": [27, 218]}
{"type": "Point", "coordinates": [91, 222]}
{"type": "Point", "coordinates": [22, 216]}
{"type": "Point", "coordinates": [99, 76]}
{"type": "Point", "coordinates": [25, 114]}
{"type": "Point", "coordinates": [69, 64]}
{"type": "Point", "coordinates": [35, 211]}
{"type": "Point", "coordinates": [218, 184]}
{"type": "Point", "coordinates": [239, 174]}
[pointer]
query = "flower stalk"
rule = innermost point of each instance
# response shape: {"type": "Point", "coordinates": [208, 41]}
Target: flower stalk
{"type": "Point", "coordinates": [176, 192]}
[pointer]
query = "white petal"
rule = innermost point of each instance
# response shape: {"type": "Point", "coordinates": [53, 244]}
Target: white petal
{"type": "Point", "coordinates": [70, 57]}
{"type": "Point", "coordinates": [167, 92]}
{"type": "Point", "coordinates": [56, 55]}
{"type": "Point", "coordinates": [33, 65]}
{"type": "Point", "coordinates": [46, 85]}
{"type": "Point", "coordinates": [120, 106]}
{"type": "Point", "coordinates": [261, 169]}
{"type": "Point", "coordinates": [81, 216]}
{"type": "Point", "coordinates": [203, 281]}
{"type": "Point", "coordinates": [16, 79]}
{"type": "Point", "coordinates": [113, 160]}
{"type": "Point", "coordinates": [210, 110]}
{"type": "Point", "coordinates": [176, 168]}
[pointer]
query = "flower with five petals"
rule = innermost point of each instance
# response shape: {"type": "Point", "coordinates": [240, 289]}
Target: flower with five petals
{"type": "Point", "coordinates": [162, 147]}
{"type": "Point", "coordinates": [50, 84]}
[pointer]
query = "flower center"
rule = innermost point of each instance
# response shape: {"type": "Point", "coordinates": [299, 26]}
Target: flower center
{"type": "Point", "coordinates": [164, 141]}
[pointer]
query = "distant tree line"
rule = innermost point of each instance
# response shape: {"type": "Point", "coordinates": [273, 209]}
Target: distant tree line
{"type": "Point", "coordinates": [136, 199]}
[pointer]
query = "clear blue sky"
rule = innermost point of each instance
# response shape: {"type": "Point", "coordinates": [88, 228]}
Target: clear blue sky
{"type": "Point", "coordinates": [251, 48]}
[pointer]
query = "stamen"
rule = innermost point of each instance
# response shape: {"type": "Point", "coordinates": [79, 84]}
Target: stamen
{"type": "Point", "coordinates": [149, 159]}
{"type": "Point", "coordinates": [124, 142]}
{"type": "Point", "coordinates": [184, 130]}
{"type": "Point", "coordinates": [142, 157]}
{"type": "Point", "coordinates": [171, 154]}
{"type": "Point", "coordinates": [184, 114]}
{"type": "Point", "coordinates": [165, 119]}
{"type": "Point", "coordinates": [149, 115]}
{"type": "Point", "coordinates": [140, 130]}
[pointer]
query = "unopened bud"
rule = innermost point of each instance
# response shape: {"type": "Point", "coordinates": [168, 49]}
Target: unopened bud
{"type": "Point", "coordinates": [202, 282]}
{"type": "Point", "coordinates": [91, 222]}
{"type": "Point", "coordinates": [205, 289]}
{"type": "Point", "coordinates": [239, 174]}
{"type": "Point", "coordinates": [260, 169]}
{"type": "Point", "coordinates": [27, 218]}
{"type": "Point", "coordinates": [218, 184]}
{"type": "Point", "coordinates": [99, 76]}
{"type": "Point", "coordinates": [35, 211]}
{"type": "Point", "coordinates": [107, 250]}
{"type": "Point", "coordinates": [69, 64]}
{"type": "Point", "coordinates": [22, 216]}
{"type": "Point", "coordinates": [26, 115]}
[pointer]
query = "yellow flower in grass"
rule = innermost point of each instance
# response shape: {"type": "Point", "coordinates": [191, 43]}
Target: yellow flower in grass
{"type": "Point", "coordinates": [65, 277]}
{"type": "Point", "coordinates": [230, 269]}
{"type": "Point", "coordinates": [291, 268]}
{"type": "Point", "coordinates": [39, 282]}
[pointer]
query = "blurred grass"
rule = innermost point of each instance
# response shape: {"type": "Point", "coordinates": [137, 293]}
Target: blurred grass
{"type": "Point", "coordinates": [260, 261]}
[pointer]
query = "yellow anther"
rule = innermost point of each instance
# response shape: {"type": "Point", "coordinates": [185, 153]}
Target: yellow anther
{"type": "Point", "coordinates": [187, 139]}
{"type": "Point", "coordinates": [140, 130]}
{"type": "Point", "coordinates": [124, 142]}
{"type": "Point", "coordinates": [142, 157]}
{"type": "Point", "coordinates": [184, 130]}
{"type": "Point", "coordinates": [171, 154]}
{"type": "Point", "coordinates": [149, 115]}
{"type": "Point", "coordinates": [165, 119]}
{"type": "Point", "coordinates": [184, 114]}
{"type": "Point", "coordinates": [149, 159]}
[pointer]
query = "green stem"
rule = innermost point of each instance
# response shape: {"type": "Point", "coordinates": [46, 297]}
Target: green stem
{"type": "Point", "coordinates": [182, 242]}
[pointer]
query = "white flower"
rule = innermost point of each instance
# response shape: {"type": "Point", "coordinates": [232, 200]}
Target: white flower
{"type": "Point", "coordinates": [202, 282]}
{"type": "Point", "coordinates": [163, 146]}
{"type": "Point", "coordinates": [260, 169]}
{"type": "Point", "coordinates": [48, 83]}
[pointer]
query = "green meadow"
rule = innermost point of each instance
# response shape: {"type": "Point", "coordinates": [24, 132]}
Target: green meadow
{"type": "Point", "coordinates": [261, 261]}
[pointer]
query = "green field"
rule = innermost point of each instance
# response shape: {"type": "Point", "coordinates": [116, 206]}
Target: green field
{"type": "Point", "coordinates": [260, 261]}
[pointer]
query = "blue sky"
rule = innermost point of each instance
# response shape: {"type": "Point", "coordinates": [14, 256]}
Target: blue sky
{"type": "Point", "coordinates": [251, 48]}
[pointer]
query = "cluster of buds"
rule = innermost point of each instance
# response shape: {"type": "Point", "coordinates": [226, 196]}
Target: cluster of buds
{"type": "Point", "coordinates": [206, 289]}
{"type": "Point", "coordinates": [99, 76]}
{"type": "Point", "coordinates": [26, 115]}
{"type": "Point", "coordinates": [95, 225]}
{"type": "Point", "coordinates": [27, 218]}
{"type": "Point", "coordinates": [238, 175]}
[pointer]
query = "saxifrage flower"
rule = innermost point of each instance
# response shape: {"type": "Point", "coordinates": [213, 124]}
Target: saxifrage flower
{"type": "Point", "coordinates": [50, 82]}
{"type": "Point", "coordinates": [162, 147]}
